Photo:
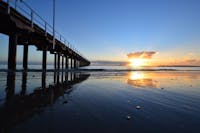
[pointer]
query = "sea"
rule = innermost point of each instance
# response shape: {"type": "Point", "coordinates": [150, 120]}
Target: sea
{"type": "Point", "coordinates": [100, 99]}
{"type": "Point", "coordinates": [105, 67]}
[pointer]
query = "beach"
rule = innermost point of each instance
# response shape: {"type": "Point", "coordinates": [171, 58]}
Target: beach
{"type": "Point", "coordinates": [100, 101]}
{"type": "Point", "coordinates": [99, 66]}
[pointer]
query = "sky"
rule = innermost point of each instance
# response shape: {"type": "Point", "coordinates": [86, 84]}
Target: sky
{"type": "Point", "coordinates": [110, 30]}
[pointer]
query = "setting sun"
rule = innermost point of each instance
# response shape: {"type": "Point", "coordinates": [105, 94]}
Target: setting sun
{"type": "Point", "coordinates": [137, 62]}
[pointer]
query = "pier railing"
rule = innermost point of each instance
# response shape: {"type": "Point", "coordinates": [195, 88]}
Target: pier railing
{"type": "Point", "coordinates": [25, 9]}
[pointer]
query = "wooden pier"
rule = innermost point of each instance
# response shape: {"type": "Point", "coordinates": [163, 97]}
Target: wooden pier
{"type": "Point", "coordinates": [28, 28]}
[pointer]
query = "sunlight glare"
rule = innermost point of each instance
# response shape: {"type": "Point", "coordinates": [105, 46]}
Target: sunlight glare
{"type": "Point", "coordinates": [136, 62]}
{"type": "Point", "coordinates": [136, 75]}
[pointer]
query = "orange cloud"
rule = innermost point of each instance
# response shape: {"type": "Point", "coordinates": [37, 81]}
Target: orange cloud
{"type": "Point", "coordinates": [143, 54]}
{"type": "Point", "coordinates": [181, 62]}
{"type": "Point", "coordinates": [191, 62]}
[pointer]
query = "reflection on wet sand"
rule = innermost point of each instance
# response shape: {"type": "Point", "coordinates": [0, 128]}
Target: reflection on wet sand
{"type": "Point", "coordinates": [160, 79]}
{"type": "Point", "coordinates": [19, 107]}
{"type": "Point", "coordinates": [105, 103]}
{"type": "Point", "coordinates": [139, 79]}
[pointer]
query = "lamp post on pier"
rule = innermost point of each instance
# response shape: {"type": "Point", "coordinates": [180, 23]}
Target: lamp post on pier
{"type": "Point", "coordinates": [54, 24]}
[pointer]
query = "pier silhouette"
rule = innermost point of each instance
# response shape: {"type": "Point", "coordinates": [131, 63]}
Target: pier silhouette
{"type": "Point", "coordinates": [27, 27]}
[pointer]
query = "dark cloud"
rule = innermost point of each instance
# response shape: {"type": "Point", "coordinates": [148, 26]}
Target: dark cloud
{"type": "Point", "coordinates": [108, 63]}
{"type": "Point", "coordinates": [143, 54]}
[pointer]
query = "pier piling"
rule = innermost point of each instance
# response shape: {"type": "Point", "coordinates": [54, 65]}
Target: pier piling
{"type": "Point", "coordinates": [58, 67]}
{"type": "Point", "coordinates": [71, 63]}
{"type": "Point", "coordinates": [74, 63]}
{"type": "Point", "coordinates": [25, 57]}
{"type": "Point", "coordinates": [44, 60]}
{"type": "Point", "coordinates": [66, 63]}
{"type": "Point", "coordinates": [12, 51]}
{"type": "Point", "coordinates": [55, 61]}
{"type": "Point", "coordinates": [63, 62]}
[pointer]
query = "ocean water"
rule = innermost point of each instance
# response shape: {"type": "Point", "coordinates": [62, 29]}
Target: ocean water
{"type": "Point", "coordinates": [109, 67]}
{"type": "Point", "coordinates": [128, 68]}
{"type": "Point", "coordinates": [113, 100]}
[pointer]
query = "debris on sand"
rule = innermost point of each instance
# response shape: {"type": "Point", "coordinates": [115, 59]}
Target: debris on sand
{"type": "Point", "coordinates": [128, 117]}
{"type": "Point", "coordinates": [138, 107]}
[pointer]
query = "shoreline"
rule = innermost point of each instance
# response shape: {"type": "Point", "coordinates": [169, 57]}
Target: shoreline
{"type": "Point", "coordinates": [90, 70]}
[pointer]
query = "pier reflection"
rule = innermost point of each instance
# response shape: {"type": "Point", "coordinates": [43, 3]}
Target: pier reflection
{"type": "Point", "coordinates": [22, 106]}
{"type": "Point", "coordinates": [24, 82]}
{"type": "Point", "coordinates": [10, 89]}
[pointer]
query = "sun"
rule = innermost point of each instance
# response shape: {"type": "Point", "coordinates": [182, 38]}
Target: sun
{"type": "Point", "coordinates": [137, 62]}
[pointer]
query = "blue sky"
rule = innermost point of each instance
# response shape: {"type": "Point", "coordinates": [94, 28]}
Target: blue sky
{"type": "Point", "coordinates": [110, 29]}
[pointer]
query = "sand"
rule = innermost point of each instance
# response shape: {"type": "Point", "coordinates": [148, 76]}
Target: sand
{"type": "Point", "coordinates": [108, 102]}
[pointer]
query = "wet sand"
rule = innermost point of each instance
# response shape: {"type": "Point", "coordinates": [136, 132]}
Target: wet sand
{"type": "Point", "coordinates": [108, 102]}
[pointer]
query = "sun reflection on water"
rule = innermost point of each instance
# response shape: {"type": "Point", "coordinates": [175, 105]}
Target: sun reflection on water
{"type": "Point", "coordinates": [140, 79]}
{"type": "Point", "coordinates": [136, 75]}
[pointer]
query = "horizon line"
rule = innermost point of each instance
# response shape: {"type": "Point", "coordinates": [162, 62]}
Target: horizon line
{"type": "Point", "coordinates": [109, 63]}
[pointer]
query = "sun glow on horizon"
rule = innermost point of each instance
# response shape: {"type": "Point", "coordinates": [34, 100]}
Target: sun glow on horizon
{"type": "Point", "coordinates": [137, 62]}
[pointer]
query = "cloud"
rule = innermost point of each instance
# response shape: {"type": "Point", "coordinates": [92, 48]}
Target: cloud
{"type": "Point", "coordinates": [142, 54]}
{"type": "Point", "coordinates": [191, 60]}
{"type": "Point", "coordinates": [182, 62]}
